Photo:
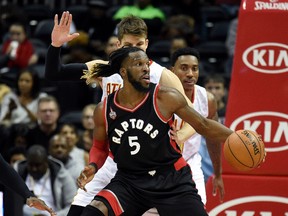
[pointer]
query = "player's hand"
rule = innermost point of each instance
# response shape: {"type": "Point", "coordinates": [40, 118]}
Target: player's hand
{"type": "Point", "coordinates": [39, 204]}
{"type": "Point", "coordinates": [218, 185]}
{"type": "Point", "coordinates": [86, 176]}
{"type": "Point", "coordinates": [173, 134]}
{"type": "Point", "coordinates": [61, 30]}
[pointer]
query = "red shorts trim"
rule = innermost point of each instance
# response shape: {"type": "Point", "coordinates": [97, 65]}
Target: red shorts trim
{"type": "Point", "coordinates": [113, 201]}
{"type": "Point", "coordinates": [180, 163]}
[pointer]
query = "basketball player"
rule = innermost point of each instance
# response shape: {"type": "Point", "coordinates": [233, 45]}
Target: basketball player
{"type": "Point", "coordinates": [10, 178]}
{"type": "Point", "coordinates": [133, 123]}
{"type": "Point", "coordinates": [185, 64]}
{"type": "Point", "coordinates": [132, 31]}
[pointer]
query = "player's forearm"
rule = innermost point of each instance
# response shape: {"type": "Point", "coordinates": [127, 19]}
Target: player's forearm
{"type": "Point", "coordinates": [98, 154]}
{"type": "Point", "coordinates": [185, 132]}
{"type": "Point", "coordinates": [214, 150]}
{"type": "Point", "coordinates": [56, 71]}
{"type": "Point", "coordinates": [211, 129]}
{"type": "Point", "coordinates": [10, 178]}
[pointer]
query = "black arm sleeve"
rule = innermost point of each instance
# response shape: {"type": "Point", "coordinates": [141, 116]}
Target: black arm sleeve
{"type": "Point", "coordinates": [10, 178]}
{"type": "Point", "coordinates": [56, 71]}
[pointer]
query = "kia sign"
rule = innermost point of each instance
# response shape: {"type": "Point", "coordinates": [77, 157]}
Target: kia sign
{"type": "Point", "coordinates": [249, 196]}
{"type": "Point", "coordinates": [273, 127]}
{"type": "Point", "coordinates": [269, 58]}
{"type": "Point", "coordinates": [227, 207]}
{"type": "Point", "coordinates": [258, 93]}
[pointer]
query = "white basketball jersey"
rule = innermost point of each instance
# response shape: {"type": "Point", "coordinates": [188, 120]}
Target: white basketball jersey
{"type": "Point", "coordinates": [200, 104]}
{"type": "Point", "coordinates": [114, 82]}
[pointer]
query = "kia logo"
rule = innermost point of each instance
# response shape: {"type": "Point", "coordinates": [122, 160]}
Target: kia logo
{"type": "Point", "coordinates": [249, 199]}
{"type": "Point", "coordinates": [267, 57]}
{"type": "Point", "coordinates": [273, 126]}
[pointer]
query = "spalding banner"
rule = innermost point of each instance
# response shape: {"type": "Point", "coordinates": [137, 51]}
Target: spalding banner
{"type": "Point", "coordinates": [250, 196]}
{"type": "Point", "coordinates": [258, 95]}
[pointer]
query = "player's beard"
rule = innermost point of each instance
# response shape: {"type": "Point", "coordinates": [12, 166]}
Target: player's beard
{"type": "Point", "coordinates": [136, 84]}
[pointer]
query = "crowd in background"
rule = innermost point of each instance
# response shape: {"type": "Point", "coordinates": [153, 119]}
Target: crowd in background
{"type": "Point", "coordinates": [58, 116]}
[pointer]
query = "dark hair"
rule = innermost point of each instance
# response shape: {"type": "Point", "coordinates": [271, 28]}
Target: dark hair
{"type": "Point", "coordinates": [16, 150]}
{"type": "Point", "coordinates": [184, 51]}
{"type": "Point", "coordinates": [116, 59]}
{"type": "Point", "coordinates": [35, 82]}
{"type": "Point", "coordinates": [132, 25]}
{"type": "Point", "coordinates": [71, 125]}
{"type": "Point", "coordinates": [37, 151]}
{"type": "Point", "coordinates": [214, 78]}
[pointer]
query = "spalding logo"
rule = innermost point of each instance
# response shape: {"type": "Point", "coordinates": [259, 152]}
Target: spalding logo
{"type": "Point", "coordinates": [249, 199]}
{"type": "Point", "coordinates": [267, 58]}
{"type": "Point", "coordinates": [273, 126]}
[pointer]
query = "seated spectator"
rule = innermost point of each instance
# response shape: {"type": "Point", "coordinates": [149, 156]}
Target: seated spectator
{"type": "Point", "coordinates": [88, 125]}
{"type": "Point", "coordinates": [70, 132]}
{"type": "Point", "coordinates": [110, 46]}
{"type": "Point", "coordinates": [47, 122]}
{"type": "Point", "coordinates": [77, 50]}
{"type": "Point", "coordinates": [103, 25]}
{"type": "Point", "coordinates": [17, 136]}
{"type": "Point", "coordinates": [48, 180]}
{"type": "Point", "coordinates": [20, 106]}
{"type": "Point", "coordinates": [190, 8]}
{"type": "Point", "coordinates": [17, 51]}
{"type": "Point", "coordinates": [215, 83]}
{"type": "Point", "coordinates": [10, 13]}
{"type": "Point", "coordinates": [16, 154]}
{"type": "Point", "coordinates": [59, 149]}
{"type": "Point", "coordinates": [177, 43]}
{"type": "Point", "coordinates": [87, 140]}
{"type": "Point", "coordinates": [179, 26]}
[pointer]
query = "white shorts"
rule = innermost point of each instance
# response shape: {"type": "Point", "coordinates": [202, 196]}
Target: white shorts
{"type": "Point", "coordinates": [100, 180]}
{"type": "Point", "coordinates": [198, 177]}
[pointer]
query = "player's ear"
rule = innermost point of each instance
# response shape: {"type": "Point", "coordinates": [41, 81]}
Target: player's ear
{"type": "Point", "coordinates": [172, 69]}
{"type": "Point", "coordinates": [118, 44]}
{"type": "Point", "coordinates": [122, 72]}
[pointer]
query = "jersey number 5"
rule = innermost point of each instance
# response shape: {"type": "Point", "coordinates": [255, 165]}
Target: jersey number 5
{"type": "Point", "coordinates": [133, 143]}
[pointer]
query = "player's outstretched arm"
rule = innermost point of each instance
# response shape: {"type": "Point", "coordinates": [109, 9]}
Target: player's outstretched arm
{"type": "Point", "coordinates": [54, 69]}
{"type": "Point", "coordinates": [99, 150]}
{"type": "Point", "coordinates": [214, 150]}
{"type": "Point", "coordinates": [172, 101]}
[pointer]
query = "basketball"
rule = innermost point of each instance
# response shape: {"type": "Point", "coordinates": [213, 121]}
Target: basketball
{"type": "Point", "coordinates": [244, 150]}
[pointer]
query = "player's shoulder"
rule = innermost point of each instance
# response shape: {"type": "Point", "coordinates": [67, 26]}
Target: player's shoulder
{"type": "Point", "coordinates": [166, 91]}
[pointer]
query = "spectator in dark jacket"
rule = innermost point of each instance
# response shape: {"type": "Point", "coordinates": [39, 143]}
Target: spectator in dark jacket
{"type": "Point", "coordinates": [48, 179]}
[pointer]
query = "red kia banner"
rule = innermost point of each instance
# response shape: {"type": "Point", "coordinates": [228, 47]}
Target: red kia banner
{"type": "Point", "coordinates": [258, 94]}
{"type": "Point", "coordinates": [250, 196]}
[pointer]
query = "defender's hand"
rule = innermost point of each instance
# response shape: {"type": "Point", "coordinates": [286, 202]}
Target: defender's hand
{"type": "Point", "coordinates": [85, 176]}
{"type": "Point", "coordinates": [40, 205]}
{"type": "Point", "coordinates": [61, 31]}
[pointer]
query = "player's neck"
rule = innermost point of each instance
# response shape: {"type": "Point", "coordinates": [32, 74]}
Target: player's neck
{"type": "Point", "coordinates": [130, 99]}
{"type": "Point", "coordinates": [190, 94]}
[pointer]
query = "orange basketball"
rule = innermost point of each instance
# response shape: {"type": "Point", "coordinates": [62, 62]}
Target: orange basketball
{"type": "Point", "coordinates": [244, 150]}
